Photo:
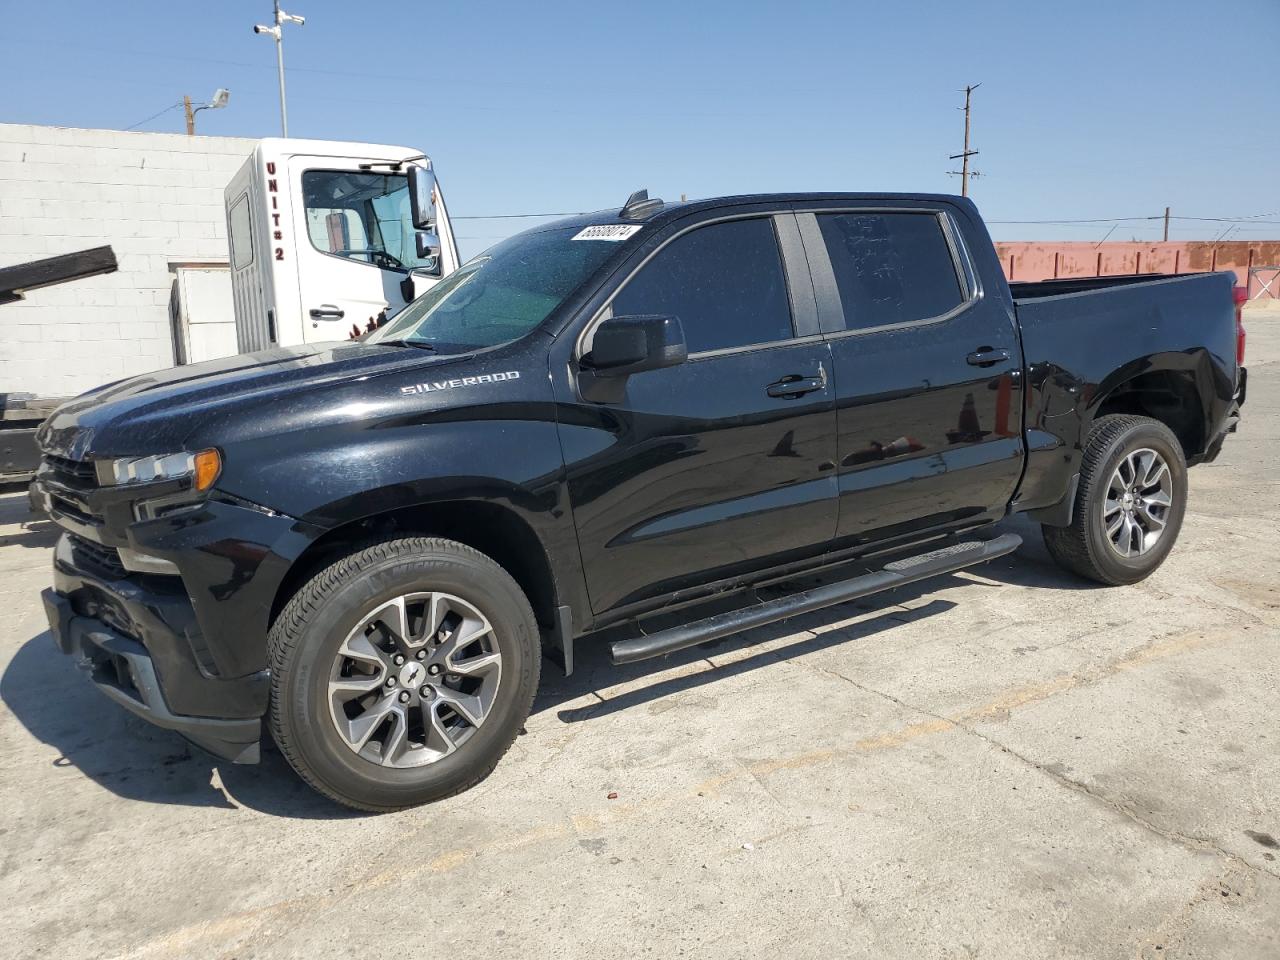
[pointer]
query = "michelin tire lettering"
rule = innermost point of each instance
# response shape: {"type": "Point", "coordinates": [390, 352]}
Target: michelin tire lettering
{"type": "Point", "coordinates": [460, 382]}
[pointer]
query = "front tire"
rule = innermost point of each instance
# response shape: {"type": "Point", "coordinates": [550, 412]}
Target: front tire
{"type": "Point", "coordinates": [1129, 505]}
{"type": "Point", "coordinates": [402, 673]}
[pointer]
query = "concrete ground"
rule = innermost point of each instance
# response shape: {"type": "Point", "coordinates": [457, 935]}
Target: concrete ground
{"type": "Point", "coordinates": [1008, 763]}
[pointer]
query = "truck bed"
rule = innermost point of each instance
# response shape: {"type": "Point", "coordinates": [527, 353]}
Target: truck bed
{"type": "Point", "coordinates": [1080, 338]}
{"type": "Point", "coordinates": [1033, 289]}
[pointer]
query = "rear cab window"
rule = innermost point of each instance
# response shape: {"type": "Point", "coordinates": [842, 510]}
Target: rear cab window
{"type": "Point", "coordinates": [891, 268]}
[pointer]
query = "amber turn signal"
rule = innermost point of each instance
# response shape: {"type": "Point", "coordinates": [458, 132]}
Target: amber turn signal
{"type": "Point", "coordinates": [208, 466]}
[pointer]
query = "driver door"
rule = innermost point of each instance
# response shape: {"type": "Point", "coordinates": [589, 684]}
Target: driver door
{"type": "Point", "coordinates": [709, 469]}
{"type": "Point", "coordinates": [354, 243]}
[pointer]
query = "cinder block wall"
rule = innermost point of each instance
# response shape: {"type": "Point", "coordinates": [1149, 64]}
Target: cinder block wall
{"type": "Point", "coordinates": [1036, 260]}
{"type": "Point", "coordinates": [156, 198]}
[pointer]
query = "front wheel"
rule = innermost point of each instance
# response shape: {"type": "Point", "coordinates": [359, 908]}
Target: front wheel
{"type": "Point", "coordinates": [1129, 504]}
{"type": "Point", "coordinates": [402, 673]}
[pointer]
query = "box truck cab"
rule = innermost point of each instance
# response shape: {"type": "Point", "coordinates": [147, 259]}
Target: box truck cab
{"type": "Point", "coordinates": [326, 235]}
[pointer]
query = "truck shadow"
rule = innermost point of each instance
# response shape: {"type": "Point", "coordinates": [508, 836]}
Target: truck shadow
{"type": "Point", "coordinates": [132, 759]}
{"type": "Point", "coordinates": [1029, 566]}
{"type": "Point", "coordinates": [597, 671]}
{"type": "Point", "coordinates": [136, 761]}
{"type": "Point", "coordinates": [35, 531]}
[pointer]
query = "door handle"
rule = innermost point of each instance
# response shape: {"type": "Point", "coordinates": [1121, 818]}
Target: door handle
{"type": "Point", "coordinates": [987, 356]}
{"type": "Point", "coordinates": [796, 385]}
{"type": "Point", "coordinates": [327, 311]}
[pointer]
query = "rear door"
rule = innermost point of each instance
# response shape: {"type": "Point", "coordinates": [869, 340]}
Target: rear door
{"type": "Point", "coordinates": [711, 468]}
{"type": "Point", "coordinates": [927, 369]}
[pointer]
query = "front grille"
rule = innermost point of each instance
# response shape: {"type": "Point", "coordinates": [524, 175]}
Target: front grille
{"type": "Point", "coordinates": [97, 559]}
{"type": "Point", "coordinates": [69, 483]}
{"type": "Point", "coordinates": [80, 470]}
{"type": "Point", "coordinates": [72, 509]}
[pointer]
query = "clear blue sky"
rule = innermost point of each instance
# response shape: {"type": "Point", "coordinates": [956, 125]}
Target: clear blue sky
{"type": "Point", "coordinates": [1087, 109]}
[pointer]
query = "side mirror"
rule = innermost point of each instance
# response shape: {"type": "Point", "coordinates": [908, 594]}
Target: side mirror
{"type": "Point", "coordinates": [626, 345]}
{"type": "Point", "coordinates": [428, 248]}
{"type": "Point", "coordinates": [422, 190]}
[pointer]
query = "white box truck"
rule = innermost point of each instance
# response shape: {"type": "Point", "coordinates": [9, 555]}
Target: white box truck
{"type": "Point", "coordinates": [325, 236]}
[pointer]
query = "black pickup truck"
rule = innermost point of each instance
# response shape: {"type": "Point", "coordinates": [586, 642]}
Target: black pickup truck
{"type": "Point", "coordinates": [630, 421]}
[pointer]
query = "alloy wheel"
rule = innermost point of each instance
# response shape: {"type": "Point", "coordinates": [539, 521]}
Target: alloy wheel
{"type": "Point", "coordinates": [415, 679]}
{"type": "Point", "coordinates": [1139, 498]}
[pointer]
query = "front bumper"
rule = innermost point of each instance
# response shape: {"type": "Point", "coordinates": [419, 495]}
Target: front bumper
{"type": "Point", "coordinates": [184, 645]}
{"type": "Point", "coordinates": [184, 652]}
{"type": "Point", "coordinates": [124, 669]}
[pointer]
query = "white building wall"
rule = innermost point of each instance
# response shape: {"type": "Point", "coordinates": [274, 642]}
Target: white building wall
{"type": "Point", "coordinates": [156, 198]}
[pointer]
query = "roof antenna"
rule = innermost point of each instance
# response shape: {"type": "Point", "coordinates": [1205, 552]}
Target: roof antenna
{"type": "Point", "coordinates": [639, 206]}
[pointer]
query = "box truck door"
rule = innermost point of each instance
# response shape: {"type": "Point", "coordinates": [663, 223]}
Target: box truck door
{"type": "Point", "coordinates": [354, 243]}
{"type": "Point", "coordinates": [200, 308]}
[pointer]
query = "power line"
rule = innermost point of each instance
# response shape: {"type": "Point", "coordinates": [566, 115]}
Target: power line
{"type": "Point", "coordinates": [520, 216]}
{"type": "Point", "coordinates": [172, 106]}
{"type": "Point", "coordinates": [1253, 219]}
{"type": "Point", "coordinates": [1096, 220]}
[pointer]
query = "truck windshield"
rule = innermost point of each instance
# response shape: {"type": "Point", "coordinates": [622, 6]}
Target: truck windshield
{"type": "Point", "coordinates": [500, 295]}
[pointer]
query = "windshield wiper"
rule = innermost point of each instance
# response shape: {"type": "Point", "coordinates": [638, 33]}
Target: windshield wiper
{"type": "Point", "coordinates": [420, 344]}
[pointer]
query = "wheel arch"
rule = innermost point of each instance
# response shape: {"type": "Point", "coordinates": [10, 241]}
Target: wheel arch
{"type": "Point", "coordinates": [1175, 393]}
{"type": "Point", "coordinates": [1175, 388]}
{"type": "Point", "coordinates": [495, 530]}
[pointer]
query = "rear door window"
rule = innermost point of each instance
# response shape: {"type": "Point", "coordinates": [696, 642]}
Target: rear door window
{"type": "Point", "coordinates": [241, 239]}
{"type": "Point", "coordinates": [891, 267]}
{"type": "Point", "coordinates": [724, 281]}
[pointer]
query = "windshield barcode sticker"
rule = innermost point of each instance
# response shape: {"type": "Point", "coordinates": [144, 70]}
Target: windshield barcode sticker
{"type": "Point", "coordinates": [607, 231]}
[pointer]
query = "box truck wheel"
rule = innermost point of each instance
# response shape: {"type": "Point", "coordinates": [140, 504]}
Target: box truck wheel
{"type": "Point", "coordinates": [402, 673]}
{"type": "Point", "coordinates": [1129, 504]}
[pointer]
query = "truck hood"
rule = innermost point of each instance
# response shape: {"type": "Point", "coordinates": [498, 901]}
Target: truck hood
{"type": "Point", "coordinates": [155, 412]}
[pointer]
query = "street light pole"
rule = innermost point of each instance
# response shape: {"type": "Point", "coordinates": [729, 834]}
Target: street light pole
{"type": "Point", "coordinates": [219, 100]}
{"type": "Point", "coordinates": [284, 113]}
{"type": "Point", "coordinates": [274, 31]}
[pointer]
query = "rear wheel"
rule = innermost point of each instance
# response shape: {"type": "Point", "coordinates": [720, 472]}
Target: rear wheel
{"type": "Point", "coordinates": [1129, 504]}
{"type": "Point", "coordinates": [402, 673]}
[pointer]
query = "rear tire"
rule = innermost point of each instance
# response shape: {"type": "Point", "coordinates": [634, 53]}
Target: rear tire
{"type": "Point", "coordinates": [402, 673]}
{"type": "Point", "coordinates": [1129, 505]}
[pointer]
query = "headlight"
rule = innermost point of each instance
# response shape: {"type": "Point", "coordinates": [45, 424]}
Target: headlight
{"type": "Point", "coordinates": [202, 467]}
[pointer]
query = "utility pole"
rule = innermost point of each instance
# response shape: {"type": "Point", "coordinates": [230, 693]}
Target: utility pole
{"type": "Point", "coordinates": [1166, 224]}
{"type": "Point", "coordinates": [219, 100]}
{"type": "Point", "coordinates": [964, 157]}
{"type": "Point", "coordinates": [275, 31]}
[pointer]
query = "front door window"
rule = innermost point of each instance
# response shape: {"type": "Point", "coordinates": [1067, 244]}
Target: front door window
{"type": "Point", "coordinates": [361, 216]}
{"type": "Point", "coordinates": [724, 282]}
